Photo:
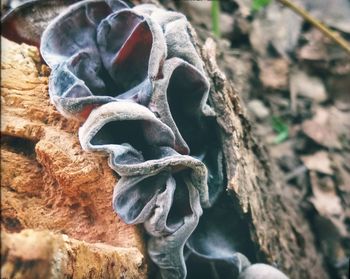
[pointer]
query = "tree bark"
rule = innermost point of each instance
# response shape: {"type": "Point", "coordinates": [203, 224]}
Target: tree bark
{"type": "Point", "coordinates": [277, 225]}
{"type": "Point", "coordinates": [48, 182]}
{"type": "Point", "coordinates": [43, 254]}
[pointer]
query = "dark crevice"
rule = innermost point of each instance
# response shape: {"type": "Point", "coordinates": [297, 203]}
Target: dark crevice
{"type": "Point", "coordinates": [184, 94]}
{"type": "Point", "coordinates": [181, 202]}
{"type": "Point", "coordinates": [130, 203]}
{"type": "Point", "coordinates": [12, 224]}
{"type": "Point", "coordinates": [125, 132]}
{"type": "Point", "coordinates": [19, 145]}
{"type": "Point", "coordinates": [226, 230]}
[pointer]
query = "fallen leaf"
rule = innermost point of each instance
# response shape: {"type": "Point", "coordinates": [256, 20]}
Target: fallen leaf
{"type": "Point", "coordinates": [274, 72]}
{"type": "Point", "coordinates": [311, 87]}
{"type": "Point", "coordinates": [341, 163]}
{"type": "Point", "coordinates": [330, 222]}
{"type": "Point", "coordinates": [199, 12]}
{"type": "Point", "coordinates": [318, 47]}
{"type": "Point", "coordinates": [325, 198]}
{"type": "Point", "coordinates": [335, 13]}
{"type": "Point", "coordinates": [244, 7]}
{"type": "Point", "coordinates": [328, 127]}
{"type": "Point", "coordinates": [283, 150]}
{"type": "Point", "coordinates": [258, 108]}
{"type": "Point", "coordinates": [276, 26]}
{"type": "Point", "coordinates": [330, 239]}
{"type": "Point", "coordinates": [339, 85]}
{"type": "Point", "coordinates": [314, 49]}
{"type": "Point", "coordinates": [319, 162]}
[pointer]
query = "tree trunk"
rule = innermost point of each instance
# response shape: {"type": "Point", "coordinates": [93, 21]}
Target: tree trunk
{"type": "Point", "coordinates": [48, 182]}
{"type": "Point", "coordinates": [277, 225]}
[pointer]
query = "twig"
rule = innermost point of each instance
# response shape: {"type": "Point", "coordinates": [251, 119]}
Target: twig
{"type": "Point", "coordinates": [295, 172]}
{"type": "Point", "coordinates": [319, 25]}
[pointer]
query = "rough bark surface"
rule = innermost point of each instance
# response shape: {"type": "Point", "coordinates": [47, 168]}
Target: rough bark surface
{"type": "Point", "coordinates": [52, 184]}
{"type": "Point", "coordinates": [43, 254]}
{"type": "Point", "coordinates": [47, 180]}
{"type": "Point", "coordinates": [277, 225]}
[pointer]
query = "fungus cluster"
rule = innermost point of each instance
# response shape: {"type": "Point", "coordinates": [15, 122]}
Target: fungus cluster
{"type": "Point", "coordinates": [134, 76]}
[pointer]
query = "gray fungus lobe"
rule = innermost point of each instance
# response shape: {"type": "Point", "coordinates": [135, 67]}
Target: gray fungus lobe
{"type": "Point", "coordinates": [134, 76]}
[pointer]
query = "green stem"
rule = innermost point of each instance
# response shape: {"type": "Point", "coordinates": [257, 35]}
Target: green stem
{"type": "Point", "coordinates": [215, 15]}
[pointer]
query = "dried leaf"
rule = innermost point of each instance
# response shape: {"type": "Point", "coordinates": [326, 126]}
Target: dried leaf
{"type": "Point", "coordinates": [342, 167]}
{"type": "Point", "coordinates": [318, 47]}
{"type": "Point", "coordinates": [276, 26]}
{"type": "Point", "coordinates": [274, 72]}
{"type": "Point", "coordinates": [325, 198]}
{"type": "Point", "coordinates": [339, 87]}
{"type": "Point", "coordinates": [258, 108]}
{"type": "Point", "coordinates": [319, 162]}
{"type": "Point", "coordinates": [302, 84]}
{"type": "Point", "coordinates": [329, 224]}
{"type": "Point", "coordinates": [328, 127]}
{"type": "Point", "coordinates": [335, 13]}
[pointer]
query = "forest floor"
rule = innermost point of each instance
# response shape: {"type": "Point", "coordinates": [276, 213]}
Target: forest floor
{"type": "Point", "coordinates": [295, 83]}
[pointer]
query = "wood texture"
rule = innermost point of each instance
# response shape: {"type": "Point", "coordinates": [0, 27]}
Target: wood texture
{"type": "Point", "coordinates": [43, 254]}
{"type": "Point", "coordinates": [277, 225]}
{"type": "Point", "coordinates": [47, 180]}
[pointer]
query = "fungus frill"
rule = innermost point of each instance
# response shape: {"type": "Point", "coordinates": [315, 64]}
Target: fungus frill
{"type": "Point", "coordinates": [98, 55]}
{"type": "Point", "coordinates": [123, 70]}
{"type": "Point", "coordinates": [134, 76]}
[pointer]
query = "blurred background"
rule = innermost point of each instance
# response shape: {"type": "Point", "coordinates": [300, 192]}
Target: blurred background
{"type": "Point", "coordinates": [295, 83]}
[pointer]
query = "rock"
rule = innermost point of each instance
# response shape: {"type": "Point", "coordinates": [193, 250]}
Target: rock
{"type": "Point", "coordinates": [43, 254]}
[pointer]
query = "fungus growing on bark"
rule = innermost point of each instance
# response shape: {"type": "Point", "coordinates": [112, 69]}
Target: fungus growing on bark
{"type": "Point", "coordinates": [99, 55]}
{"type": "Point", "coordinates": [183, 107]}
{"type": "Point", "coordinates": [159, 187]}
{"type": "Point", "coordinates": [27, 22]}
{"type": "Point", "coordinates": [217, 242]}
{"type": "Point", "coordinates": [136, 78]}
